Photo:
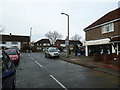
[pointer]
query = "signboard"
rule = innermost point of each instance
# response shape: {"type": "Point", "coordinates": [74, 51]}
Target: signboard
{"type": "Point", "coordinates": [66, 42]}
{"type": "Point", "coordinates": [97, 42]}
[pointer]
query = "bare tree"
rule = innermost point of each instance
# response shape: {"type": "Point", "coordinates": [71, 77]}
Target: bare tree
{"type": "Point", "coordinates": [53, 36]}
{"type": "Point", "coordinates": [76, 37]}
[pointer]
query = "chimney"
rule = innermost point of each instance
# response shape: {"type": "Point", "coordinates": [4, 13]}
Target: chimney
{"type": "Point", "coordinates": [10, 34]}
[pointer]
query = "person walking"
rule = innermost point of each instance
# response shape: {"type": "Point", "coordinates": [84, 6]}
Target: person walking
{"type": "Point", "coordinates": [79, 52]}
{"type": "Point", "coordinates": [76, 52]}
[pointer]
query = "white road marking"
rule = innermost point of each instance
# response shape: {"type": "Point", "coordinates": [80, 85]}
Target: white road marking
{"type": "Point", "coordinates": [39, 64]}
{"type": "Point", "coordinates": [30, 56]}
{"type": "Point", "coordinates": [58, 82]}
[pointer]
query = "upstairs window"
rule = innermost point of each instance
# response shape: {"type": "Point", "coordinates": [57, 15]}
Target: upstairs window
{"type": "Point", "coordinates": [108, 28]}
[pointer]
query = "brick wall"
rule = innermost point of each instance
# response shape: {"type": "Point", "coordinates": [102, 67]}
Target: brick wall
{"type": "Point", "coordinates": [96, 33]}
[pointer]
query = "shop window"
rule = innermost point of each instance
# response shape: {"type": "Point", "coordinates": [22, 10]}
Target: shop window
{"type": "Point", "coordinates": [119, 49]}
{"type": "Point", "coordinates": [101, 52]}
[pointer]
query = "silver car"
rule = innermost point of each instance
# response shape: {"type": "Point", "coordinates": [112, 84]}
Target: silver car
{"type": "Point", "coordinates": [52, 52]}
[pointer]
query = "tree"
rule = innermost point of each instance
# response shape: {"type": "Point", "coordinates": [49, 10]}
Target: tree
{"type": "Point", "coordinates": [76, 37]}
{"type": "Point", "coordinates": [53, 36]}
{"type": "Point", "coordinates": [25, 47]}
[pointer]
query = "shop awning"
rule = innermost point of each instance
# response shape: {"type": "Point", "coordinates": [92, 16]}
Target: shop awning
{"type": "Point", "coordinates": [97, 42]}
{"type": "Point", "coordinates": [115, 39]}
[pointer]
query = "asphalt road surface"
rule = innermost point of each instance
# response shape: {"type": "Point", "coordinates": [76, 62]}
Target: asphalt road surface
{"type": "Point", "coordinates": [36, 71]}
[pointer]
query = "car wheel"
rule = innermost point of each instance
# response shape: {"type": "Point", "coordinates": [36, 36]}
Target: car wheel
{"type": "Point", "coordinates": [45, 55]}
{"type": "Point", "coordinates": [49, 56]}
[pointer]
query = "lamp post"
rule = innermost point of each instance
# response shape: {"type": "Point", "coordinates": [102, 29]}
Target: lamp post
{"type": "Point", "coordinates": [30, 34]}
{"type": "Point", "coordinates": [30, 39]}
{"type": "Point", "coordinates": [67, 39]}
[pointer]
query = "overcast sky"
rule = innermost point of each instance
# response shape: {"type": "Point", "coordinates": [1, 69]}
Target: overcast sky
{"type": "Point", "coordinates": [45, 15]}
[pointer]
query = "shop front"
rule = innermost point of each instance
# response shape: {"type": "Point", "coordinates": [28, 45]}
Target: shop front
{"type": "Point", "coordinates": [115, 41]}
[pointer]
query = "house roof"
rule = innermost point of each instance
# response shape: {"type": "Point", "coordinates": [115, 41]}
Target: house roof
{"type": "Point", "coordinates": [43, 41]}
{"type": "Point", "coordinates": [15, 38]}
{"type": "Point", "coordinates": [60, 41]}
{"type": "Point", "coordinates": [112, 15]}
{"type": "Point", "coordinates": [75, 42]}
{"type": "Point", "coordinates": [71, 41]}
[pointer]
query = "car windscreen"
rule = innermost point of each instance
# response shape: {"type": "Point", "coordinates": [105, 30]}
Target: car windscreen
{"type": "Point", "coordinates": [14, 48]}
{"type": "Point", "coordinates": [11, 52]}
{"type": "Point", "coordinates": [52, 50]}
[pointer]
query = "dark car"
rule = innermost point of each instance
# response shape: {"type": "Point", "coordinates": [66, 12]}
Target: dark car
{"type": "Point", "coordinates": [8, 72]}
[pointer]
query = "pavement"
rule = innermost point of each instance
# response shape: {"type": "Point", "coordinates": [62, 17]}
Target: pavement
{"type": "Point", "coordinates": [111, 68]}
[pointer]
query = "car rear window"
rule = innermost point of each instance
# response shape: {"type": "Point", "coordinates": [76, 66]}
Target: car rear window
{"type": "Point", "coordinates": [11, 52]}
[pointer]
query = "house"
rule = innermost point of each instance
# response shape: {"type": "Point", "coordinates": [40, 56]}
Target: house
{"type": "Point", "coordinates": [8, 41]}
{"type": "Point", "coordinates": [61, 43]}
{"type": "Point", "coordinates": [103, 36]}
{"type": "Point", "coordinates": [42, 44]}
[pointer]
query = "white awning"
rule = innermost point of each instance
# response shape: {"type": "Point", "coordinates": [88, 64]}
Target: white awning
{"type": "Point", "coordinates": [97, 42]}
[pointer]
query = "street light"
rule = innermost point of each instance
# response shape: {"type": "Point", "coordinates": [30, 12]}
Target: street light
{"type": "Point", "coordinates": [30, 38]}
{"type": "Point", "coordinates": [30, 34]}
{"type": "Point", "coordinates": [67, 39]}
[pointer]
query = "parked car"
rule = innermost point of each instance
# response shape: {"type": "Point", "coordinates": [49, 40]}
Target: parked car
{"type": "Point", "coordinates": [8, 72]}
{"type": "Point", "coordinates": [52, 52]}
{"type": "Point", "coordinates": [17, 49]}
{"type": "Point", "coordinates": [13, 54]}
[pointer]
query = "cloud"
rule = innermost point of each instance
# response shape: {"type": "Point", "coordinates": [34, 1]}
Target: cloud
{"type": "Point", "coordinates": [59, 1]}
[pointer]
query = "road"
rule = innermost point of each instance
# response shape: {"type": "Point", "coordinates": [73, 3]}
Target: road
{"type": "Point", "coordinates": [36, 71]}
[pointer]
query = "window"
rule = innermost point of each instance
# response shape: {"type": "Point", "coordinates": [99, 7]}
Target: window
{"type": "Point", "coordinates": [14, 42]}
{"type": "Point", "coordinates": [108, 28]}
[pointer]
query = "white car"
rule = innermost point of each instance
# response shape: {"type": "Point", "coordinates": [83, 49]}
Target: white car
{"type": "Point", "coordinates": [52, 52]}
{"type": "Point", "coordinates": [54, 48]}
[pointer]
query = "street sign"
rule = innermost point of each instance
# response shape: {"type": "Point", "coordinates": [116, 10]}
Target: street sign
{"type": "Point", "coordinates": [66, 42]}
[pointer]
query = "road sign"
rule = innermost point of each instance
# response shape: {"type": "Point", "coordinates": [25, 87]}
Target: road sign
{"type": "Point", "coordinates": [66, 42]}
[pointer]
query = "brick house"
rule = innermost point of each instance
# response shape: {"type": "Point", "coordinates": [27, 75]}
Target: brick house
{"type": "Point", "coordinates": [18, 41]}
{"type": "Point", "coordinates": [61, 43]}
{"type": "Point", "coordinates": [42, 44]}
{"type": "Point", "coordinates": [103, 36]}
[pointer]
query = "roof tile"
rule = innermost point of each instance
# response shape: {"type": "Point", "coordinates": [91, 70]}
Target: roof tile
{"type": "Point", "coordinates": [115, 14]}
